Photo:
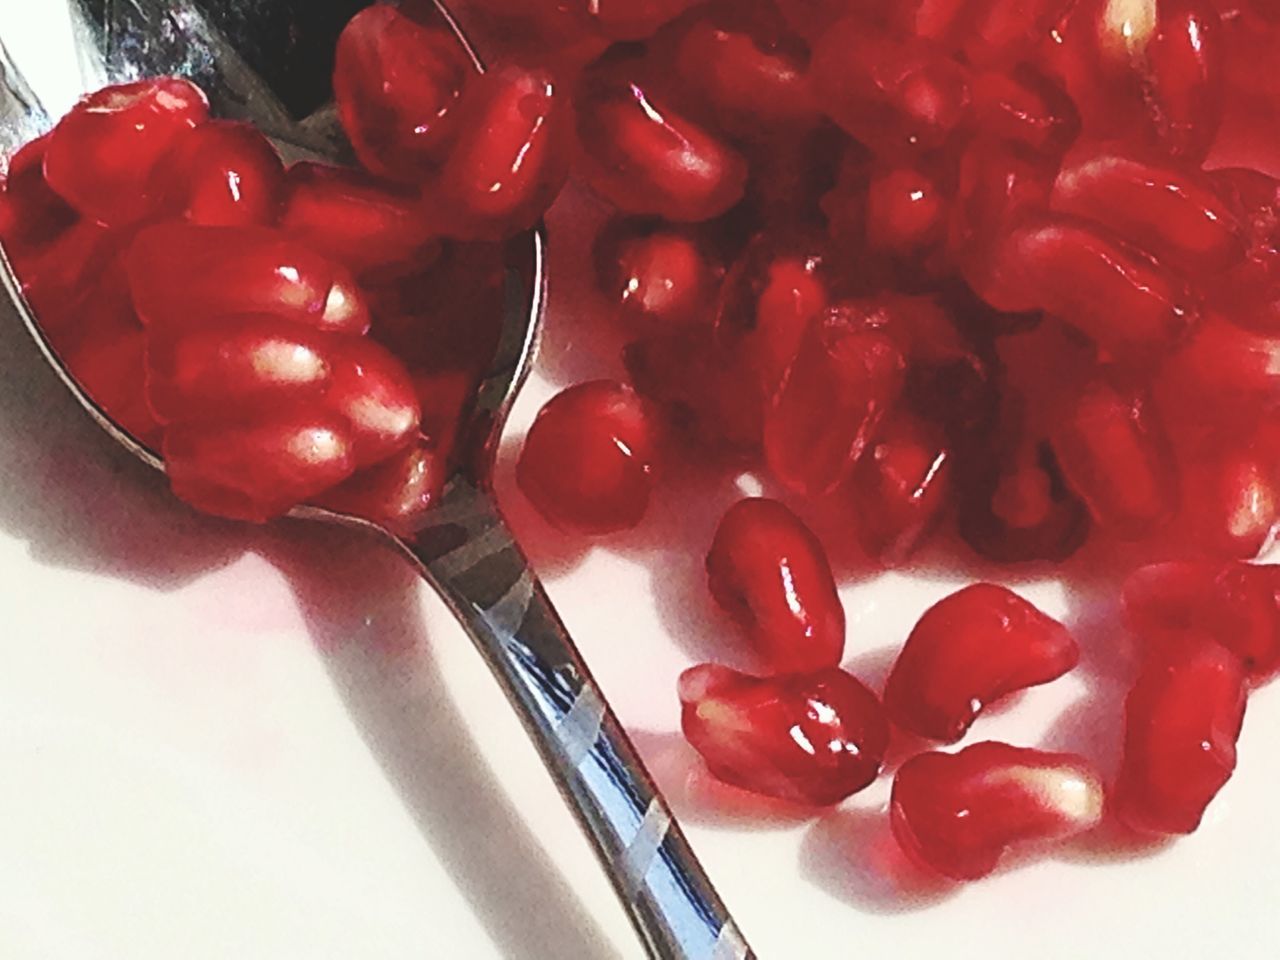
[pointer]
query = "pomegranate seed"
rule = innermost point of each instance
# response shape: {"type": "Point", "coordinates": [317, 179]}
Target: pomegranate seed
{"type": "Point", "coordinates": [839, 388]}
{"type": "Point", "coordinates": [397, 84]}
{"type": "Point", "coordinates": [986, 31]}
{"type": "Point", "coordinates": [108, 363]}
{"type": "Point", "coordinates": [446, 316]}
{"type": "Point", "coordinates": [1013, 505]}
{"type": "Point", "coordinates": [906, 210]}
{"type": "Point", "coordinates": [101, 155]}
{"type": "Point", "coordinates": [511, 157]}
{"type": "Point", "coordinates": [446, 398]}
{"type": "Point", "coordinates": [1125, 301]}
{"type": "Point", "coordinates": [1143, 69]}
{"type": "Point", "coordinates": [31, 214]}
{"type": "Point", "coordinates": [1231, 502]}
{"type": "Point", "coordinates": [1000, 185]}
{"type": "Point", "coordinates": [768, 571]}
{"type": "Point", "coordinates": [657, 276]}
{"type": "Point", "coordinates": [183, 276]}
{"type": "Point", "coordinates": [372, 392]}
{"type": "Point", "coordinates": [354, 219]}
{"type": "Point", "coordinates": [710, 397]}
{"type": "Point", "coordinates": [393, 493]}
{"type": "Point", "coordinates": [896, 95]}
{"type": "Point", "coordinates": [645, 157]}
{"type": "Point", "coordinates": [810, 739]}
{"type": "Point", "coordinates": [219, 174]}
{"type": "Point", "coordinates": [1249, 290]}
{"type": "Point", "coordinates": [1223, 362]}
{"type": "Point", "coordinates": [1023, 105]}
{"type": "Point", "coordinates": [633, 19]}
{"type": "Point", "coordinates": [1114, 457]}
{"type": "Point", "coordinates": [236, 368]}
{"type": "Point", "coordinates": [1235, 604]}
{"type": "Point", "coordinates": [1158, 205]}
{"type": "Point", "coordinates": [959, 813]}
{"type": "Point", "coordinates": [901, 487]}
{"type": "Point", "coordinates": [588, 460]}
{"type": "Point", "coordinates": [258, 470]}
{"type": "Point", "coordinates": [745, 69]}
{"type": "Point", "coordinates": [1182, 720]}
{"type": "Point", "coordinates": [56, 275]}
{"type": "Point", "coordinates": [555, 34]}
{"type": "Point", "coordinates": [812, 18]}
{"type": "Point", "coordinates": [969, 650]}
{"type": "Point", "coordinates": [772, 296]}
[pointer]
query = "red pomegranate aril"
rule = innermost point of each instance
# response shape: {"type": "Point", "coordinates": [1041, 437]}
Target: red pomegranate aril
{"type": "Point", "coordinates": [31, 214]}
{"type": "Point", "coordinates": [906, 210]}
{"type": "Point", "coordinates": [556, 35]}
{"type": "Point", "coordinates": [1000, 184]}
{"type": "Point", "coordinates": [1234, 603]}
{"type": "Point", "coordinates": [236, 368]}
{"type": "Point", "coordinates": [839, 388]}
{"type": "Point", "coordinates": [811, 739]}
{"type": "Point", "coordinates": [1023, 105]}
{"type": "Point", "coordinates": [1125, 301]}
{"type": "Point", "coordinates": [258, 470]}
{"type": "Point", "coordinates": [750, 74]}
{"type": "Point", "coordinates": [1112, 453]}
{"type": "Point", "coordinates": [183, 276]}
{"type": "Point", "coordinates": [773, 295]}
{"type": "Point", "coordinates": [219, 174]}
{"type": "Point", "coordinates": [588, 460]}
{"type": "Point", "coordinates": [984, 32]}
{"type": "Point", "coordinates": [1182, 720]}
{"type": "Point", "coordinates": [901, 487]}
{"type": "Point", "coordinates": [1249, 291]}
{"type": "Point", "coordinates": [1222, 362]}
{"type": "Point", "coordinates": [657, 276]}
{"type": "Point", "coordinates": [633, 19]}
{"type": "Point", "coordinates": [641, 154]}
{"type": "Point", "coordinates": [371, 390]}
{"type": "Point", "coordinates": [397, 84]}
{"type": "Point", "coordinates": [768, 571]}
{"type": "Point", "coordinates": [897, 95]}
{"type": "Point", "coordinates": [108, 362]}
{"type": "Point", "coordinates": [709, 396]}
{"type": "Point", "coordinates": [511, 156]}
{"type": "Point", "coordinates": [1144, 70]}
{"type": "Point", "coordinates": [56, 275]}
{"type": "Point", "coordinates": [393, 492]}
{"type": "Point", "coordinates": [355, 220]}
{"type": "Point", "coordinates": [968, 650]}
{"type": "Point", "coordinates": [101, 155]}
{"type": "Point", "coordinates": [812, 18]}
{"type": "Point", "coordinates": [1230, 502]}
{"type": "Point", "coordinates": [1168, 209]}
{"type": "Point", "coordinates": [959, 813]}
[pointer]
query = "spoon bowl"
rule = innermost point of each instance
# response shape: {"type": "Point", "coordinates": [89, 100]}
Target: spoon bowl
{"type": "Point", "coordinates": [462, 546]}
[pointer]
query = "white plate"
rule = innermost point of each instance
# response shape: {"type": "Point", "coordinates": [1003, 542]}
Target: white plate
{"type": "Point", "coordinates": [219, 742]}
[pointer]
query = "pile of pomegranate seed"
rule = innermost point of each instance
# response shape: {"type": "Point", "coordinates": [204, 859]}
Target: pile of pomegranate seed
{"type": "Point", "coordinates": [1008, 270]}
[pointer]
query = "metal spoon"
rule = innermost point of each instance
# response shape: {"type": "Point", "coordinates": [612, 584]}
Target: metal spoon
{"type": "Point", "coordinates": [462, 547]}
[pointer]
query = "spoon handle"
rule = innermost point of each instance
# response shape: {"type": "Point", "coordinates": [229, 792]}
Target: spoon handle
{"type": "Point", "coordinates": [468, 554]}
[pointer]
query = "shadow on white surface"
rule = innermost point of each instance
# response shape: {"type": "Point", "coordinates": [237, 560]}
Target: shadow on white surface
{"type": "Point", "coordinates": [81, 501]}
{"type": "Point", "coordinates": [361, 606]}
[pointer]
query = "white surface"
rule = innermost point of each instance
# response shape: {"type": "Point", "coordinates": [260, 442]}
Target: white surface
{"type": "Point", "coordinates": [227, 743]}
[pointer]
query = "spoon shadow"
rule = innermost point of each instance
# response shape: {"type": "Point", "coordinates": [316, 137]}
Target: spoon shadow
{"type": "Point", "coordinates": [82, 502]}
{"type": "Point", "coordinates": [360, 604]}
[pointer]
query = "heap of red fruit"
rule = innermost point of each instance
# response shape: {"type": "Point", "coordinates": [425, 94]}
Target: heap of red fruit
{"type": "Point", "coordinates": [1001, 266]}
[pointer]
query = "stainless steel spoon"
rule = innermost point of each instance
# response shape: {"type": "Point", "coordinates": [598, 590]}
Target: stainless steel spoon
{"type": "Point", "coordinates": [236, 50]}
